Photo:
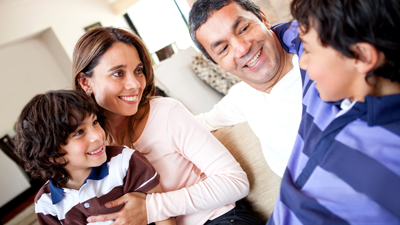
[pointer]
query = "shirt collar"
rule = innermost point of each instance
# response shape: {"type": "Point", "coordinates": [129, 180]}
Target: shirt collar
{"type": "Point", "coordinates": [97, 173]}
{"type": "Point", "coordinates": [56, 193]}
{"type": "Point", "coordinates": [345, 106]}
{"type": "Point", "coordinates": [377, 110]}
{"type": "Point", "coordinates": [382, 110]}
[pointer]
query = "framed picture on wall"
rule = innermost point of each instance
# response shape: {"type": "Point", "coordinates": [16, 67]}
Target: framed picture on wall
{"type": "Point", "coordinates": [98, 24]}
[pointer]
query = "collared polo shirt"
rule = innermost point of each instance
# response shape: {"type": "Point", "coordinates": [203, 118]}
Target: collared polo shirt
{"type": "Point", "coordinates": [125, 170]}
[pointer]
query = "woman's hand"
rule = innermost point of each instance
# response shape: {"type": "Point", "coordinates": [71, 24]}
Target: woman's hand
{"type": "Point", "coordinates": [133, 213]}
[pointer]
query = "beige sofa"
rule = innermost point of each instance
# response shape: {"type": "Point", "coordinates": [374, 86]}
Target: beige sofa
{"type": "Point", "coordinates": [264, 183]}
{"type": "Point", "coordinates": [176, 77]}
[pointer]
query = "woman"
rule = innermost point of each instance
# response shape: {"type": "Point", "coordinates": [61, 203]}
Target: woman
{"type": "Point", "coordinates": [200, 178]}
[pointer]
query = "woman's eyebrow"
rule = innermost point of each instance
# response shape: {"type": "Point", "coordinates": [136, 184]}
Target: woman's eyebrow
{"type": "Point", "coordinates": [116, 67]}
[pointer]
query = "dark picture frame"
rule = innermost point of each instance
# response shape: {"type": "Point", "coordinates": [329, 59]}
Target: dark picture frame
{"type": "Point", "coordinates": [95, 25]}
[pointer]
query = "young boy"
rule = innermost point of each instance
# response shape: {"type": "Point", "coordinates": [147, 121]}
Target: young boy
{"type": "Point", "coordinates": [60, 139]}
{"type": "Point", "coordinates": [345, 165]}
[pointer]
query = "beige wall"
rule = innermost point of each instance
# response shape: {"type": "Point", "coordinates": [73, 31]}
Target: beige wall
{"type": "Point", "coordinates": [36, 45]}
{"type": "Point", "coordinates": [27, 68]}
{"type": "Point", "coordinates": [277, 11]}
{"type": "Point", "coordinates": [67, 18]}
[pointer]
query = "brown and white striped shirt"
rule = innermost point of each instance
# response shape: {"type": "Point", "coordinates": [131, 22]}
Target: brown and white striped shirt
{"type": "Point", "coordinates": [125, 170]}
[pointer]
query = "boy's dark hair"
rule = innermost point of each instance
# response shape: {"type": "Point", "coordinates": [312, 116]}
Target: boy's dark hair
{"type": "Point", "coordinates": [44, 125]}
{"type": "Point", "coordinates": [202, 9]}
{"type": "Point", "coordinates": [343, 23]}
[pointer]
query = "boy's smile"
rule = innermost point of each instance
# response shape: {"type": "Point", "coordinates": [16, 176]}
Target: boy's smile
{"type": "Point", "coordinates": [97, 152]}
{"type": "Point", "coordinates": [85, 148]}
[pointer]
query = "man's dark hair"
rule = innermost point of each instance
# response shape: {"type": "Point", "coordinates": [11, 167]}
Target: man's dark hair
{"type": "Point", "coordinates": [202, 9]}
{"type": "Point", "coordinates": [343, 23]}
{"type": "Point", "coordinates": [44, 125]}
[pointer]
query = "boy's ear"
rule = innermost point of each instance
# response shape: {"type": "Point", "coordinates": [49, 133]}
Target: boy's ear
{"type": "Point", "coordinates": [84, 82]}
{"type": "Point", "coordinates": [265, 20]}
{"type": "Point", "coordinates": [368, 57]}
{"type": "Point", "coordinates": [57, 160]}
{"type": "Point", "coordinates": [54, 160]}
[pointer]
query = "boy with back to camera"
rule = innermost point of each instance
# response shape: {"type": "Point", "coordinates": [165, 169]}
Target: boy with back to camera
{"type": "Point", "coordinates": [345, 165]}
{"type": "Point", "coordinates": [60, 139]}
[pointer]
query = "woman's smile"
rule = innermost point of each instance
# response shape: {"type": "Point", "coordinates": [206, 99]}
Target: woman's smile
{"type": "Point", "coordinates": [132, 99]}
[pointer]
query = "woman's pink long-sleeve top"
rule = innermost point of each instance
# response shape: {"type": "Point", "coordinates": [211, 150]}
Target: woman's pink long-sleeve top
{"type": "Point", "coordinates": [200, 178]}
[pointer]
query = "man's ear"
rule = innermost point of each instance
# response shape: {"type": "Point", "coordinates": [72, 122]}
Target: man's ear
{"type": "Point", "coordinates": [84, 82]}
{"type": "Point", "coordinates": [368, 57]}
{"type": "Point", "coordinates": [265, 20]}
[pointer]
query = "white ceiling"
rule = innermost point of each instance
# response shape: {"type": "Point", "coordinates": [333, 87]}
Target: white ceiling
{"type": "Point", "coordinates": [7, 4]}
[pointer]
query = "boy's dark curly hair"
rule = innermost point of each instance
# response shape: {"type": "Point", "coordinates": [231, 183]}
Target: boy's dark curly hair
{"type": "Point", "coordinates": [343, 23]}
{"type": "Point", "coordinates": [44, 125]}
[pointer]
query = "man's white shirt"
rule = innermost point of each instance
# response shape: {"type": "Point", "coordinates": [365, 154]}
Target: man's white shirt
{"type": "Point", "coordinates": [274, 117]}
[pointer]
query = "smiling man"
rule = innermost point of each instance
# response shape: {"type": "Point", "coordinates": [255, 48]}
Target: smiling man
{"type": "Point", "coordinates": [236, 35]}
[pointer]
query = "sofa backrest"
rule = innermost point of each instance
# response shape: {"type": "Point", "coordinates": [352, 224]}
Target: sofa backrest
{"type": "Point", "coordinates": [176, 78]}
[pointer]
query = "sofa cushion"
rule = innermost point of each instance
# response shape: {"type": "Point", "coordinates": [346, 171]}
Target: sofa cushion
{"type": "Point", "coordinates": [264, 183]}
{"type": "Point", "coordinates": [214, 76]}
